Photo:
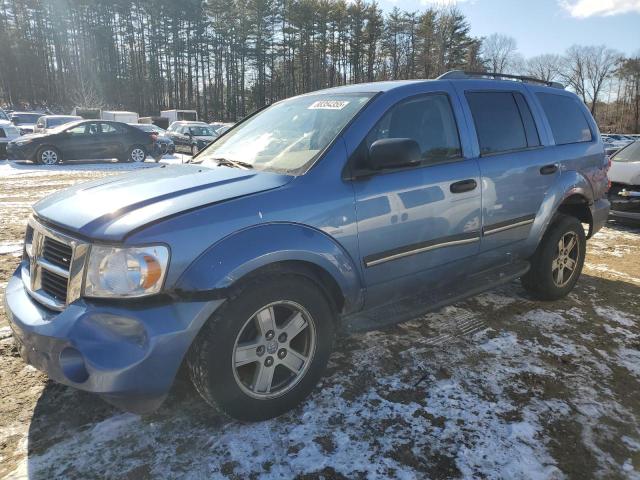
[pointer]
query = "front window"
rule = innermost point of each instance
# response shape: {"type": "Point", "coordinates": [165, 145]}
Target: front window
{"type": "Point", "coordinates": [288, 136]}
{"type": "Point", "coordinates": [628, 154]}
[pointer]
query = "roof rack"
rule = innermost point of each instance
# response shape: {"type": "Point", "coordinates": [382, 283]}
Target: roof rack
{"type": "Point", "coordinates": [462, 74]}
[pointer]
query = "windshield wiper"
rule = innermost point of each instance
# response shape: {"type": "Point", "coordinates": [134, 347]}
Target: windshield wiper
{"type": "Point", "coordinates": [233, 163]}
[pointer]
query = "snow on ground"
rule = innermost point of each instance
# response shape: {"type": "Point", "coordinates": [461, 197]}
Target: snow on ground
{"type": "Point", "coordinates": [498, 386]}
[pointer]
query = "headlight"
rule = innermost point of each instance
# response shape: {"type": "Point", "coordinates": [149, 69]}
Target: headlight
{"type": "Point", "coordinates": [22, 142]}
{"type": "Point", "coordinates": [125, 272]}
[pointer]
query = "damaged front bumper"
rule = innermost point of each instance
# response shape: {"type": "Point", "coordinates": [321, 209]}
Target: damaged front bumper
{"type": "Point", "coordinates": [129, 354]}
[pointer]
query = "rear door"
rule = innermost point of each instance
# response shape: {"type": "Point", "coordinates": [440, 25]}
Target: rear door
{"type": "Point", "coordinates": [515, 167]}
{"type": "Point", "coordinates": [415, 219]}
{"type": "Point", "coordinates": [81, 142]}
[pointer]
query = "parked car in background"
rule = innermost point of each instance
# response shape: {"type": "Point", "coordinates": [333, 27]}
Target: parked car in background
{"type": "Point", "coordinates": [86, 139]}
{"type": "Point", "coordinates": [25, 121]}
{"type": "Point", "coordinates": [191, 137]}
{"type": "Point", "coordinates": [163, 144]}
{"type": "Point", "coordinates": [8, 133]}
{"type": "Point", "coordinates": [350, 208]}
{"type": "Point", "coordinates": [161, 122]}
{"type": "Point", "coordinates": [3, 115]}
{"type": "Point", "coordinates": [47, 122]}
{"type": "Point", "coordinates": [221, 127]}
{"type": "Point", "coordinates": [624, 175]}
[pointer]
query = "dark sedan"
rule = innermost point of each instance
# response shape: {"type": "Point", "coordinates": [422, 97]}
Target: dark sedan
{"type": "Point", "coordinates": [163, 145]}
{"type": "Point", "coordinates": [87, 139]}
{"type": "Point", "coordinates": [191, 137]}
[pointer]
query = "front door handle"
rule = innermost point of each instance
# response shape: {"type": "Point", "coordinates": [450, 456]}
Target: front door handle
{"type": "Point", "coordinates": [463, 186]}
{"type": "Point", "coordinates": [549, 169]}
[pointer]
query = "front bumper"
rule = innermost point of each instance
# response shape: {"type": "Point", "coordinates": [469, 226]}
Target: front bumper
{"type": "Point", "coordinates": [127, 353]}
{"type": "Point", "coordinates": [599, 215]}
{"type": "Point", "coordinates": [16, 152]}
{"type": "Point", "coordinates": [625, 201]}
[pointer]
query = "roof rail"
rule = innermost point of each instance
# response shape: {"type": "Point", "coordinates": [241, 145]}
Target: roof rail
{"type": "Point", "coordinates": [462, 74]}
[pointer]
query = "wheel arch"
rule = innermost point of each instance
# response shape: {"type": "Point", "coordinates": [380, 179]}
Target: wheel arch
{"type": "Point", "coordinates": [271, 248]}
{"type": "Point", "coordinates": [48, 145]}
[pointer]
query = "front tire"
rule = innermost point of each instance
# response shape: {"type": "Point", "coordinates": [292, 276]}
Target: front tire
{"type": "Point", "coordinates": [265, 349]}
{"type": "Point", "coordinates": [557, 263]}
{"type": "Point", "coordinates": [48, 156]}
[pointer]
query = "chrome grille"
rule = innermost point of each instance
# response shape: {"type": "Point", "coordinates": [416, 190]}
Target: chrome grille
{"type": "Point", "coordinates": [52, 266]}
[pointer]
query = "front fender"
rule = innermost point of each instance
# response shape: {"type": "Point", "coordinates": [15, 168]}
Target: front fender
{"type": "Point", "coordinates": [569, 183]}
{"type": "Point", "coordinates": [245, 251]}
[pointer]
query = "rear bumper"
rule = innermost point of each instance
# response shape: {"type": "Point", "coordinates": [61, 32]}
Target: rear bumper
{"type": "Point", "coordinates": [128, 354]}
{"type": "Point", "coordinates": [599, 214]}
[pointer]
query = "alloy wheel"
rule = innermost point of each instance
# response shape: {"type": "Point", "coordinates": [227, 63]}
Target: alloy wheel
{"type": "Point", "coordinates": [49, 157]}
{"type": "Point", "coordinates": [565, 263]}
{"type": "Point", "coordinates": [274, 349]}
{"type": "Point", "coordinates": [137, 155]}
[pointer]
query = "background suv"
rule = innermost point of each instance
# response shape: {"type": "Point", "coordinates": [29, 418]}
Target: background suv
{"type": "Point", "coordinates": [344, 209]}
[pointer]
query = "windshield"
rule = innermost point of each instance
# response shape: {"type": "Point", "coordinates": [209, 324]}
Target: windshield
{"type": "Point", "coordinates": [3, 116]}
{"type": "Point", "coordinates": [203, 131]}
{"type": "Point", "coordinates": [20, 118]}
{"type": "Point", "coordinates": [630, 153]}
{"type": "Point", "coordinates": [288, 136]}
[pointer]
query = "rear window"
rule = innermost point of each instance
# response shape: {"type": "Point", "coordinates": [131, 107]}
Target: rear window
{"type": "Point", "coordinates": [566, 118]}
{"type": "Point", "coordinates": [503, 121]}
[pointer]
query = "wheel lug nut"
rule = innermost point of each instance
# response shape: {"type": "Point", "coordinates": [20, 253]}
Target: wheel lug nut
{"type": "Point", "coordinates": [268, 361]}
{"type": "Point", "coordinates": [270, 334]}
{"type": "Point", "coordinates": [282, 353]}
{"type": "Point", "coordinates": [260, 350]}
{"type": "Point", "coordinates": [282, 338]}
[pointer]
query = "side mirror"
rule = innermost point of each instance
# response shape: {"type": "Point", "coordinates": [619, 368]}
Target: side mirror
{"type": "Point", "coordinates": [394, 153]}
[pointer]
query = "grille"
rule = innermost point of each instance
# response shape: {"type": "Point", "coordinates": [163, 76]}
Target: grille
{"type": "Point", "coordinates": [57, 253]}
{"type": "Point", "coordinates": [49, 271]}
{"type": "Point", "coordinates": [55, 285]}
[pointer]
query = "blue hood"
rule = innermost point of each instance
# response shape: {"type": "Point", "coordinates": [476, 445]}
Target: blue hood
{"type": "Point", "coordinates": [110, 208]}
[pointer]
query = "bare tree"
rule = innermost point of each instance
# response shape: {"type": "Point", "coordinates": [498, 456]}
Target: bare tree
{"type": "Point", "coordinates": [499, 53]}
{"type": "Point", "coordinates": [85, 95]}
{"type": "Point", "coordinates": [587, 69]}
{"type": "Point", "coordinates": [545, 67]}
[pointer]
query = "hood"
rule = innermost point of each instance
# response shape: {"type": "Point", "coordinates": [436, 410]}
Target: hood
{"type": "Point", "coordinates": [110, 208]}
{"type": "Point", "coordinates": [625, 172]}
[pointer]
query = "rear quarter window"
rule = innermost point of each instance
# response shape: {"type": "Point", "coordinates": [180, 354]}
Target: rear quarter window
{"type": "Point", "coordinates": [566, 118]}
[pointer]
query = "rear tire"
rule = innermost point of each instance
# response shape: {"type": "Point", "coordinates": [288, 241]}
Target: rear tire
{"type": "Point", "coordinates": [48, 156]}
{"type": "Point", "coordinates": [265, 349]}
{"type": "Point", "coordinates": [557, 263]}
{"type": "Point", "coordinates": [137, 154]}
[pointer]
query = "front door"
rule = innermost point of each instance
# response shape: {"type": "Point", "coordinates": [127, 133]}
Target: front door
{"type": "Point", "coordinates": [415, 219]}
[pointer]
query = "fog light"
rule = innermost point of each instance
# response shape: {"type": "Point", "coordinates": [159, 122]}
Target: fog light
{"type": "Point", "coordinates": [73, 366]}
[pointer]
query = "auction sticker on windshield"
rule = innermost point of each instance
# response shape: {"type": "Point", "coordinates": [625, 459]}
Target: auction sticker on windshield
{"type": "Point", "coordinates": [328, 105]}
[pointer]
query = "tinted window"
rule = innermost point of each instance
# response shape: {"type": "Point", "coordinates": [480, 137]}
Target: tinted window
{"type": "Point", "coordinates": [428, 120]}
{"type": "Point", "coordinates": [498, 122]}
{"type": "Point", "coordinates": [568, 123]}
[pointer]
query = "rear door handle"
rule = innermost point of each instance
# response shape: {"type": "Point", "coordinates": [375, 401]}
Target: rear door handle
{"type": "Point", "coordinates": [463, 186]}
{"type": "Point", "coordinates": [549, 169]}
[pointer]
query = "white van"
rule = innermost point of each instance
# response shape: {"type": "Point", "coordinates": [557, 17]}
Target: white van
{"type": "Point", "coordinates": [120, 116]}
{"type": "Point", "coordinates": [180, 115]}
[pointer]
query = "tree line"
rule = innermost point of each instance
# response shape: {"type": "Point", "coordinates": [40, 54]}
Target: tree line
{"type": "Point", "coordinates": [226, 58]}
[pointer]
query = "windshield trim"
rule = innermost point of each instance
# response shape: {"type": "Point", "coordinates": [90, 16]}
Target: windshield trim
{"type": "Point", "coordinates": [314, 160]}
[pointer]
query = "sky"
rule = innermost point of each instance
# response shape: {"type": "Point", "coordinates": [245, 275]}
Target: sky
{"type": "Point", "coordinates": [547, 26]}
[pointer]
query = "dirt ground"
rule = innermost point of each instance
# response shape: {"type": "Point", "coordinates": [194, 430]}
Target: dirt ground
{"type": "Point", "coordinates": [498, 386]}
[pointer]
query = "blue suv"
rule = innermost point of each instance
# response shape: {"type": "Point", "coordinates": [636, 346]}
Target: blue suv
{"type": "Point", "coordinates": [345, 209]}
